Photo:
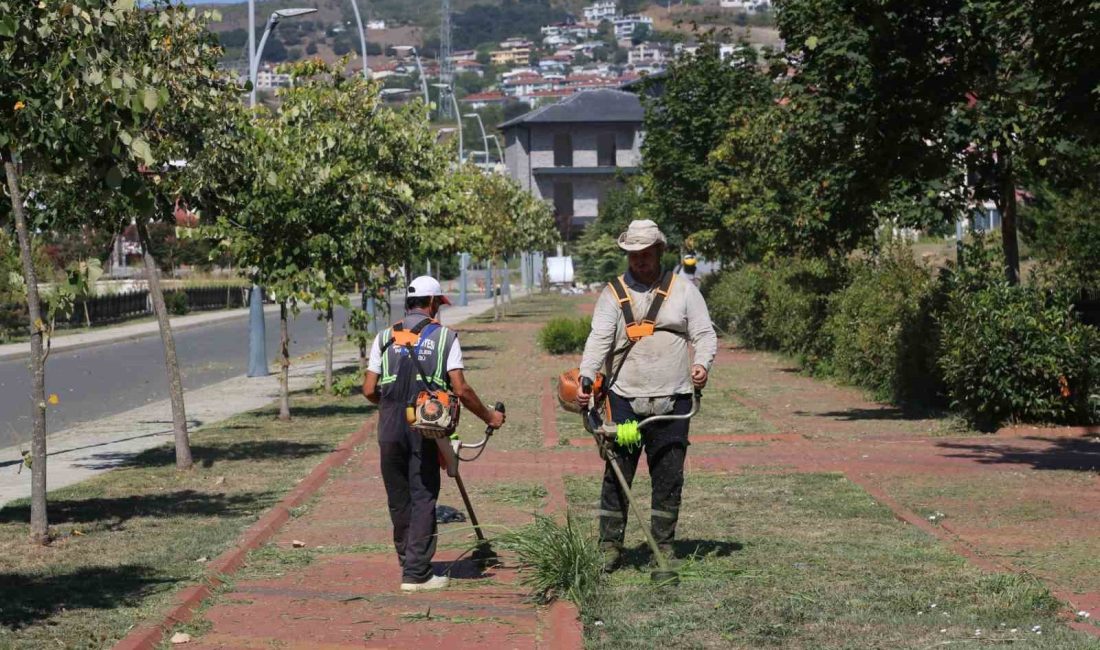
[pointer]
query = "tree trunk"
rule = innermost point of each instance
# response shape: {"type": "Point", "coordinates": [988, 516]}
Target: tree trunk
{"type": "Point", "coordinates": [87, 316]}
{"type": "Point", "coordinates": [284, 363]}
{"type": "Point", "coordinates": [1007, 205]}
{"type": "Point", "coordinates": [328, 350]}
{"type": "Point", "coordinates": [545, 284]}
{"type": "Point", "coordinates": [171, 363]}
{"type": "Point", "coordinates": [40, 532]}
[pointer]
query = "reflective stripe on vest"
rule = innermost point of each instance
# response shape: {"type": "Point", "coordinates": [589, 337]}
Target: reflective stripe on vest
{"type": "Point", "coordinates": [389, 374]}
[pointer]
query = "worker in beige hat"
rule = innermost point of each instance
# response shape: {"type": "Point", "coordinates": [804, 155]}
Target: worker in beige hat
{"type": "Point", "coordinates": [653, 341]}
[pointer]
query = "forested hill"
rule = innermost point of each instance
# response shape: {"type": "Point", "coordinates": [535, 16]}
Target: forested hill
{"type": "Point", "coordinates": [475, 21]}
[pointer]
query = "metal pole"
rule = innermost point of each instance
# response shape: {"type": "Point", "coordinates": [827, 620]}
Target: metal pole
{"type": "Point", "coordinates": [484, 138]}
{"type": "Point", "coordinates": [423, 79]}
{"type": "Point", "coordinates": [458, 118]}
{"type": "Point", "coordinates": [257, 334]}
{"type": "Point", "coordinates": [257, 328]}
{"type": "Point", "coordinates": [251, 42]}
{"type": "Point", "coordinates": [372, 316]}
{"type": "Point", "coordinates": [463, 265]}
{"type": "Point", "coordinates": [489, 279]}
{"type": "Point", "coordinates": [500, 152]}
{"type": "Point", "coordinates": [255, 70]}
{"type": "Point", "coordinates": [362, 38]}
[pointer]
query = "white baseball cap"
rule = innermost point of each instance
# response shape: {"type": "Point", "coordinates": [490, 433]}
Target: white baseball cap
{"type": "Point", "coordinates": [426, 285]}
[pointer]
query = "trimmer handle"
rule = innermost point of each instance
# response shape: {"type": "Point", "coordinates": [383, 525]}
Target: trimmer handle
{"type": "Point", "coordinates": [498, 408]}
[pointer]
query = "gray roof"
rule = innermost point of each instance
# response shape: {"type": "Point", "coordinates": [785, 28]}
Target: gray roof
{"type": "Point", "coordinates": [604, 105]}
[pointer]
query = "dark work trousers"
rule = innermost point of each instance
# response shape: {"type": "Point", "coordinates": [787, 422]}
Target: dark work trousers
{"type": "Point", "coordinates": [412, 487]}
{"type": "Point", "coordinates": [665, 449]}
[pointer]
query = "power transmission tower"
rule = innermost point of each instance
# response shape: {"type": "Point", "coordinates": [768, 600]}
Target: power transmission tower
{"type": "Point", "coordinates": [446, 66]}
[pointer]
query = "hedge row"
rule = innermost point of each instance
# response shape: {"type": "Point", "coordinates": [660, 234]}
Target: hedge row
{"type": "Point", "coordinates": [963, 338]}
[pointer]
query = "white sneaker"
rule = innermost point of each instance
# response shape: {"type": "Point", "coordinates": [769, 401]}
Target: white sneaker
{"type": "Point", "coordinates": [431, 584]}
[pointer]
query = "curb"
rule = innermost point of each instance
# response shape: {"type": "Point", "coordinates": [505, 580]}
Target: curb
{"type": "Point", "coordinates": [150, 633]}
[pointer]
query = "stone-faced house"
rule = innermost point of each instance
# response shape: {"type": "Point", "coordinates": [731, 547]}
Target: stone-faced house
{"type": "Point", "coordinates": [571, 152]}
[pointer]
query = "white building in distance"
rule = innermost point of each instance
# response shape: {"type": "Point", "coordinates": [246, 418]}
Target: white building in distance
{"type": "Point", "coordinates": [624, 26]}
{"type": "Point", "coordinates": [601, 11]}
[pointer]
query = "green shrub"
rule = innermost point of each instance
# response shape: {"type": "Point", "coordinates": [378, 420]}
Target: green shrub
{"type": "Point", "coordinates": [780, 305]}
{"type": "Point", "coordinates": [882, 330]}
{"type": "Point", "coordinates": [796, 303]}
{"type": "Point", "coordinates": [345, 382]}
{"type": "Point", "coordinates": [176, 302]}
{"type": "Point", "coordinates": [1014, 353]}
{"type": "Point", "coordinates": [565, 335]}
{"type": "Point", "coordinates": [735, 300]}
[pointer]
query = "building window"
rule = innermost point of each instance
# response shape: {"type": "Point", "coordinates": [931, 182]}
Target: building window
{"type": "Point", "coordinates": [605, 150]}
{"type": "Point", "coordinates": [563, 150]}
{"type": "Point", "coordinates": [563, 199]}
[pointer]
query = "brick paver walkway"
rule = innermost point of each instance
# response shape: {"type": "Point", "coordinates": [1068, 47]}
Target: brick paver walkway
{"type": "Point", "coordinates": [1025, 500]}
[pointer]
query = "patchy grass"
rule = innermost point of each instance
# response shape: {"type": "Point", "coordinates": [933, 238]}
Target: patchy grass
{"type": "Point", "coordinates": [526, 495]}
{"type": "Point", "coordinates": [809, 561]}
{"type": "Point", "coordinates": [1043, 521]}
{"type": "Point", "coordinates": [128, 539]}
{"type": "Point", "coordinates": [503, 363]}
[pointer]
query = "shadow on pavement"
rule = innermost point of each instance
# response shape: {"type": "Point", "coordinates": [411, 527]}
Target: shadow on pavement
{"type": "Point", "coordinates": [116, 510]}
{"type": "Point", "coordinates": [206, 455]}
{"type": "Point", "coordinates": [888, 413]}
{"type": "Point", "coordinates": [31, 598]}
{"type": "Point", "coordinates": [1078, 454]}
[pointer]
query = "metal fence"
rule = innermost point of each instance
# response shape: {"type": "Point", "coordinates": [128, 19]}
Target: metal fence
{"type": "Point", "coordinates": [111, 308]}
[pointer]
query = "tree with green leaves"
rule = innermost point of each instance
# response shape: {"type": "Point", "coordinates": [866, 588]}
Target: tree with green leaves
{"type": "Point", "coordinates": [498, 218]}
{"type": "Point", "coordinates": [59, 113]}
{"type": "Point", "coordinates": [333, 183]}
{"type": "Point", "coordinates": [684, 124]}
{"type": "Point", "coordinates": [913, 112]}
{"type": "Point", "coordinates": [184, 100]}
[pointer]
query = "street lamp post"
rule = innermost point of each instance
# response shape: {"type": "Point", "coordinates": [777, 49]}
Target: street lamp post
{"type": "Point", "coordinates": [446, 89]}
{"type": "Point", "coordinates": [423, 79]}
{"type": "Point", "coordinates": [484, 138]}
{"type": "Point", "coordinates": [257, 330]}
{"type": "Point", "coordinates": [362, 37]}
{"type": "Point", "coordinates": [272, 23]}
{"type": "Point", "coordinates": [500, 152]}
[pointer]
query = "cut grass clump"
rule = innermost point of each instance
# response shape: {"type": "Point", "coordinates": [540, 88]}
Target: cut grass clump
{"type": "Point", "coordinates": [557, 561]}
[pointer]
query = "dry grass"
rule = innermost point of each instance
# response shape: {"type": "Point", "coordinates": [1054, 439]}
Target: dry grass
{"type": "Point", "coordinates": [810, 561]}
{"type": "Point", "coordinates": [127, 539]}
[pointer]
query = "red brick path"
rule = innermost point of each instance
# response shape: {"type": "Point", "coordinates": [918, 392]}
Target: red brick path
{"type": "Point", "coordinates": [347, 596]}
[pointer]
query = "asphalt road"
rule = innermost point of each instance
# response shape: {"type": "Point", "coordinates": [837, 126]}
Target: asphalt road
{"type": "Point", "coordinates": [106, 379]}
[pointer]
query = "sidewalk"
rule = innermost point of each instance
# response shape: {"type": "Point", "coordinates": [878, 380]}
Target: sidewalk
{"type": "Point", "coordinates": [111, 333]}
{"type": "Point", "coordinates": [94, 447]}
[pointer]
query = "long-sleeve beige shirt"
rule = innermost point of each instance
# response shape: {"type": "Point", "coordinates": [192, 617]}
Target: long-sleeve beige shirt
{"type": "Point", "coordinates": [658, 365]}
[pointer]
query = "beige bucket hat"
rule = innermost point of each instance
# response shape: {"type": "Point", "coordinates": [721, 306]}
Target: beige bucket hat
{"type": "Point", "coordinates": [641, 234]}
